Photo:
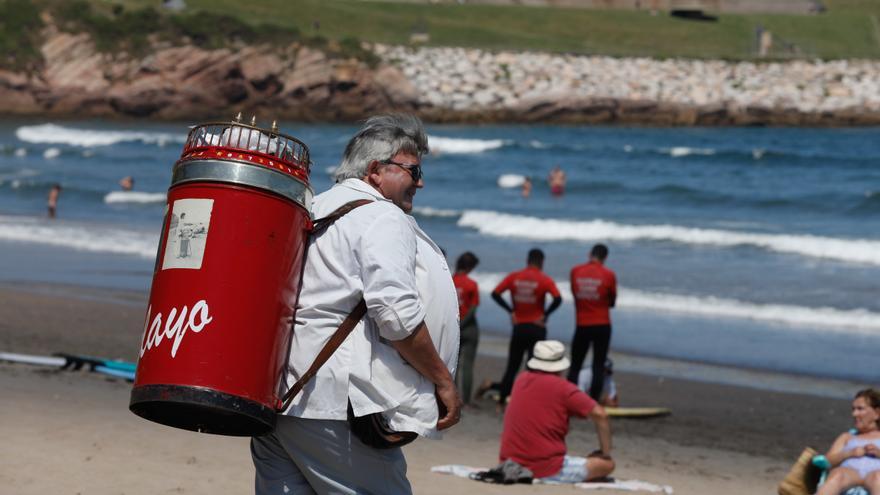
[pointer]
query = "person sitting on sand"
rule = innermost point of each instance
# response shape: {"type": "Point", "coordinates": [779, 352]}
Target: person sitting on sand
{"type": "Point", "coordinates": [609, 397]}
{"type": "Point", "coordinates": [537, 419]}
{"type": "Point", "coordinates": [855, 457]}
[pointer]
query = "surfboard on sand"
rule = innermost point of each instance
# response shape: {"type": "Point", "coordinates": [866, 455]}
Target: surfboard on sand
{"type": "Point", "coordinates": [638, 412]}
{"type": "Point", "coordinates": [120, 369]}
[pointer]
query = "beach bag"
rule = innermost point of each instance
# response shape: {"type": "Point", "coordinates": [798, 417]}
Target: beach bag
{"type": "Point", "coordinates": [373, 429]}
{"type": "Point", "coordinates": [803, 477]}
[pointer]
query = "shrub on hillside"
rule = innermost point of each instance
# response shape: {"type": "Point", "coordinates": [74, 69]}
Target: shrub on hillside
{"type": "Point", "coordinates": [20, 27]}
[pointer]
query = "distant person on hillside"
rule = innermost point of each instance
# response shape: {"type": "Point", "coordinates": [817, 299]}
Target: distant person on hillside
{"type": "Point", "coordinates": [526, 187]}
{"type": "Point", "coordinates": [557, 181]}
{"type": "Point", "coordinates": [468, 300]}
{"type": "Point", "coordinates": [594, 288]}
{"type": "Point", "coordinates": [528, 290]}
{"type": "Point", "coordinates": [855, 456]}
{"type": "Point", "coordinates": [537, 421]}
{"type": "Point", "coordinates": [127, 183]}
{"type": "Point", "coordinates": [52, 202]}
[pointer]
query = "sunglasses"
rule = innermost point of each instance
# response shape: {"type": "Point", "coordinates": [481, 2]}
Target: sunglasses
{"type": "Point", "coordinates": [415, 171]}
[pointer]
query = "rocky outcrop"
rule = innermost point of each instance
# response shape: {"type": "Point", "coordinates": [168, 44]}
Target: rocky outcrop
{"type": "Point", "coordinates": [440, 84]}
{"type": "Point", "coordinates": [191, 83]}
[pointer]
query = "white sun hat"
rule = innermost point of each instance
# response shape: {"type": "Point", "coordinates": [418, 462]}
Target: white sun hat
{"type": "Point", "coordinates": [549, 355]}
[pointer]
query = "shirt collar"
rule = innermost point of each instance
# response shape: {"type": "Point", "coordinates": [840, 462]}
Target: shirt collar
{"type": "Point", "coordinates": [361, 186]}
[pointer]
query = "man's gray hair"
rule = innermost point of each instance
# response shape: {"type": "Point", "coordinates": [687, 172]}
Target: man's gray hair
{"type": "Point", "coordinates": [380, 138]}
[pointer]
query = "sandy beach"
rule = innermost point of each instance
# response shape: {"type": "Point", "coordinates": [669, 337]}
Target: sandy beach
{"type": "Point", "coordinates": [71, 432]}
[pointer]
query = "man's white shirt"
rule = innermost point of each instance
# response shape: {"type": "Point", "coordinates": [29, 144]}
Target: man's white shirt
{"type": "Point", "coordinates": [378, 252]}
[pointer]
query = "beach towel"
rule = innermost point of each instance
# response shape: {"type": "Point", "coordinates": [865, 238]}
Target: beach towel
{"type": "Point", "coordinates": [616, 484]}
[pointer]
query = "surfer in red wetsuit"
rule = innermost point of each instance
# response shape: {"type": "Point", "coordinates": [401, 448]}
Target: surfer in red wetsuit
{"type": "Point", "coordinates": [594, 288]}
{"type": "Point", "coordinates": [528, 290]}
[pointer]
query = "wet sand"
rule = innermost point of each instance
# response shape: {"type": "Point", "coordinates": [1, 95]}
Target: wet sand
{"type": "Point", "coordinates": [71, 432]}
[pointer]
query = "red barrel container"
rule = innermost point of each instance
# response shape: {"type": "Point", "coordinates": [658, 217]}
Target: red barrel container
{"type": "Point", "coordinates": [217, 331]}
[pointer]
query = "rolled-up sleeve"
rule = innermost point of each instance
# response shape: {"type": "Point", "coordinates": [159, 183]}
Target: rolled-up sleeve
{"type": "Point", "coordinates": [387, 255]}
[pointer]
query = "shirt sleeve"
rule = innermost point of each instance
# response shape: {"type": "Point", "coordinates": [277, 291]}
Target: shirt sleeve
{"type": "Point", "coordinates": [476, 289]}
{"type": "Point", "coordinates": [387, 255]}
{"type": "Point", "coordinates": [504, 285]}
{"type": "Point", "coordinates": [579, 403]}
{"type": "Point", "coordinates": [551, 287]}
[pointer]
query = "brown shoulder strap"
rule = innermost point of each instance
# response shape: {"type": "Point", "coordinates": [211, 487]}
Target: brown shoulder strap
{"type": "Point", "coordinates": [330, 347]}
{"type": "Point", "coordinates": [321, 224]}
{"type": "Point", "coordinates": [347, 324]}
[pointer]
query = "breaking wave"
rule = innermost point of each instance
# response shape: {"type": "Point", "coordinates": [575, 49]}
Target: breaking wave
{"type": "Point", "coordinates": [548, 229]}
{"type": "Point", "coordinates": [709, 306]}
{"type": "Point", "coordinates": [134, 197]}
{"type": "Point", "coordinates": [463, 145]}
{"type": "Point", "coordinates": [57, 134]}
{"type": "Point", "coordinates": [82, 237]}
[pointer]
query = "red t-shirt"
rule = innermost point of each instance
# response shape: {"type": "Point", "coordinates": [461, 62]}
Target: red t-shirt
{"type": "Point", "coordinates": [593, 287]}
{"type": "Point", "coordinates": [468, 293]}
{"type": "Point", "coordinates": [528, 288]}
{"type": "Point", "coordinates": [536, 421]}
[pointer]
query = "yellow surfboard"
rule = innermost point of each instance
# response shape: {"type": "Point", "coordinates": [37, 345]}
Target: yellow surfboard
{"type": "Point", "coordinates": [638, 412]}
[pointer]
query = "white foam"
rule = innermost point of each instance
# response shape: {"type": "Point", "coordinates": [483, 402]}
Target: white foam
{"type": "Point", "coordinates": [330, 170]}
{"type": "Point", "coordinates": [462, 145]}
{"type": "Point", "coordinates": [427, 211]}
{"type": "Point", "coordinates": [509, 181]}
{"type": "Point", "coordinates": [678, 151]}
{"type": "Point", "coordinates": [93, 238]}
{"type": "Point", "coordinates": [20, 152]}
{"type": "Point", "coordinates": [134, 197]}
{"type": "Point", "coordinates": [51, 153]}
{"type": "Point", "coordinates": [716, 307]}
{"type": "Point", "coordinates": [56, 134]}
{"type": "Point", "coordinates": [548, 229]}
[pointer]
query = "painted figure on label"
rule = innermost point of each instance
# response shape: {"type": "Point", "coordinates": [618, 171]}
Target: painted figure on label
{"type": "Point", "coordinates": [185, 235]}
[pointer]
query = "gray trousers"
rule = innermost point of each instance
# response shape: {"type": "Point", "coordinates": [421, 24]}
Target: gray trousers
{"type": "Point", "coordinates": [316, 456]}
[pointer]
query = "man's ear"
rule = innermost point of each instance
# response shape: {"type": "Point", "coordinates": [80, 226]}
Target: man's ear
{"type": "Point", "coordinates": [372, 176]}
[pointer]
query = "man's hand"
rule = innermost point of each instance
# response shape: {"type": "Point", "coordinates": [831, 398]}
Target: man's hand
{"type": "Point", "coordinates": [448, 405]}
{"type": "Point", "coordinates": [418, 350]}
{"type": "Point", "coordinates": [598, 453]}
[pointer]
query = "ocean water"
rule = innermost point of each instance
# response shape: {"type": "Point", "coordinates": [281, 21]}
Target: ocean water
{"type": "Point", "coordinates": [754, 248]}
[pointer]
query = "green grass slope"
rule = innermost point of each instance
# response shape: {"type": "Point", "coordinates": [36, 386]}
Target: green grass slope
{"type": "Point", "coordinates": [849, 29]}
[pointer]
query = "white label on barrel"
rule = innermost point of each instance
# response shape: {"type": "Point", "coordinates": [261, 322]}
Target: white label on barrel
{"type": "Point", "coordinates": [187, 233]}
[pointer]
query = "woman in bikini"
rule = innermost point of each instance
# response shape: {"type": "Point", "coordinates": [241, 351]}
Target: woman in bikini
{"type": "Point", "coordinates": [855, 456]}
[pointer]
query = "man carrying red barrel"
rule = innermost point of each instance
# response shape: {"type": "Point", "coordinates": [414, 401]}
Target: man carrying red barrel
{"type": "Point", "coordinates": [399, 360]}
